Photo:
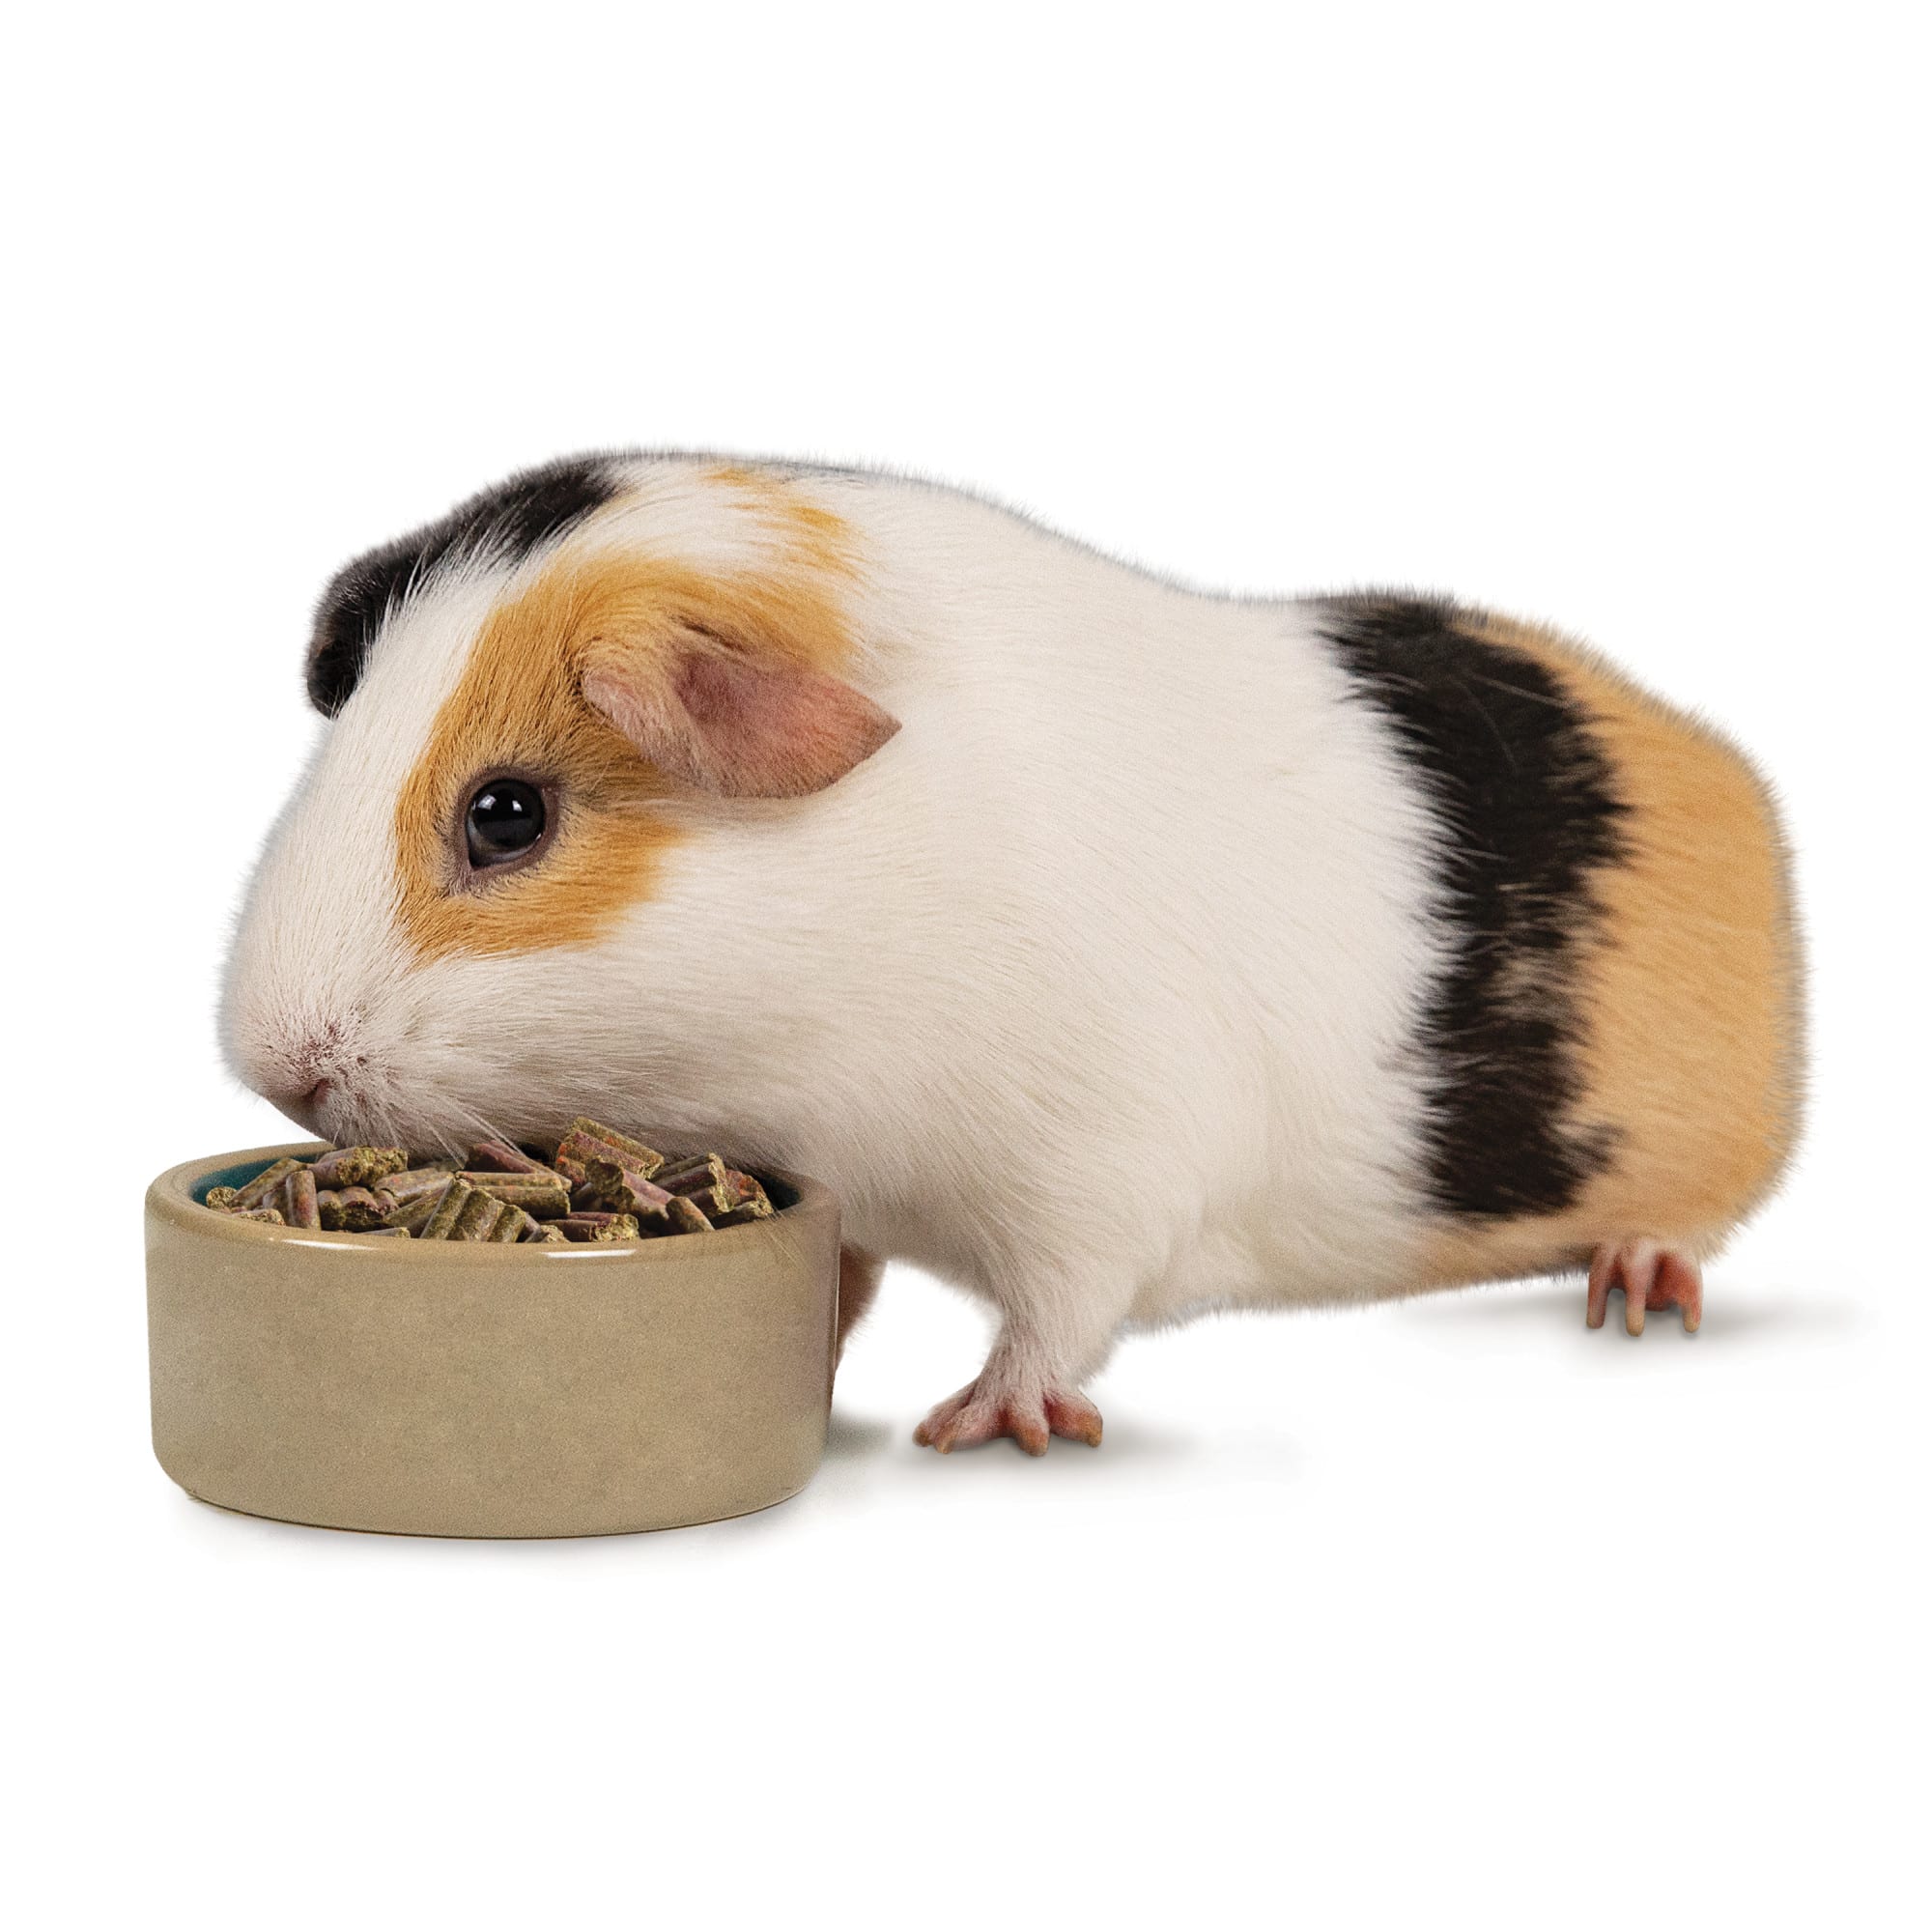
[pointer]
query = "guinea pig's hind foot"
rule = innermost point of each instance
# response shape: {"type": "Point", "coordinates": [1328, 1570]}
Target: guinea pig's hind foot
{"type": "Point", "coordinates": [985, 1409]}
{"type": "Point", "coordinates": [1651, 1276]}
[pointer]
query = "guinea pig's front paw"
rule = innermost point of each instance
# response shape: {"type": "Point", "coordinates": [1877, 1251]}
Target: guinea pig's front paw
{"type": "Point", "coordinates": [1651, 1276]}
{"type": "Point", "coordinates": [988, 1408]}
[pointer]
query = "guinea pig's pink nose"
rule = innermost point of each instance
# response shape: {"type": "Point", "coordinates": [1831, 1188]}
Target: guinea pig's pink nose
{"type": "Point", "coordinates": [301, 1104]}
{"type": "Point", "coordinates": [291, 1094]}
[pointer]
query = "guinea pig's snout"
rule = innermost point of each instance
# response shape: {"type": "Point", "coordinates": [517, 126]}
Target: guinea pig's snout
{"type": "Point", "coordinates": [304, 1108]}
{"type": "Point", "coordinates": [302, 1070]}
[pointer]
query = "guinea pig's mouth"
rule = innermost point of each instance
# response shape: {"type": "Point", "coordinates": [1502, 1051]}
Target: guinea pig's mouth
{"type": "Point", "coordinates": [414, 1075]}
{"type": "Point", "coordinates": [338, 1106]}
{"type": "Point", "coordinates": [333, 1110]}
{"type": "Point", "coordinates": [347, 1110]}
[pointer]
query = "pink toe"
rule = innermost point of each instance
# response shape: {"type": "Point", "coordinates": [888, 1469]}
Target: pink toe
{"type": "Point", "coordinates": [1680, 1283]}
{"type": "Point", "coordinates": [1075, 1418]}
{"type": "Point", "coordinates": [1602, 1272]}
{"type": "Point", "coordinates": [1029, 1431]}
{"type": "Point", "coordinates": [1638, 1265]}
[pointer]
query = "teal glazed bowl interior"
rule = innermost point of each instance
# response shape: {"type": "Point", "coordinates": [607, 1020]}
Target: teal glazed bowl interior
{"type": "Point", "coordinates": [467, 1389]}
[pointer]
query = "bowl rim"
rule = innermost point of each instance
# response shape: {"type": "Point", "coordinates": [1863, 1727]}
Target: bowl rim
{"type": "Point", "coordinates": [170, 1198]}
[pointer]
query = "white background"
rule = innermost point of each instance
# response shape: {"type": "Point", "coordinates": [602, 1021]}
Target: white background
{"type": "Point", "coordinates": [1446, 1613]}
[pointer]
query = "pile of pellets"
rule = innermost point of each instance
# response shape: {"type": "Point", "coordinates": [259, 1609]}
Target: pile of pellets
{"type": "Point", "coordinates": [597, 1186]}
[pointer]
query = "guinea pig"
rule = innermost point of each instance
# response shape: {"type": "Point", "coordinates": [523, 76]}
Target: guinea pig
{"type": "Point", "coordinates": [1115, 950]}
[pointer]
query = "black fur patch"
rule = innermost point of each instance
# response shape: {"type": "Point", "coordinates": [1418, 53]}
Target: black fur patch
{"type": "Point", "coordinates": [1530, 814]}
{"type": "Point", "coordinates": [508, 522]}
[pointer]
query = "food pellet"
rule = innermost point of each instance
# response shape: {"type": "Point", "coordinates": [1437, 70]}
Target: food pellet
{"type": "Point", "coordinates": [356, 1166]}
{"type": "Point", "coordinates": [586, 1141]}
{"type": "Point", "coordinates": [477, 1218]}
{"type": "Point", "coordinates": [298, 1200]}
{"type": "Point", "coordinates": [258, 1192]}
{"type": "Point", "coordinates": [595, 1185]}
{"type": "Point", "coordinates": [700, 1175]}
{"type": "Point", "coordinates": [450, 1204]}
{"type": "Point", "coordinates": [748, 1191]}
{"type": "Point", "coordinates": [501, 1158]}
{"type": "Point", "coordinates": [615, 1189]}
{"type": "Point", "coordinates": [598, 1227]}
{"type": "Point", "coordinates": [414, 1184]}
{"type": "Point", "coordinates": [541, 1194]}
{"type": "Point", "coordinates": [687, 1216]}
{"type": "Point", "coordinates": [748, 1200]}
{"type": "Point", "coordinates": [512, 1224]}
{"type": "Point", "coordinates": [411, 1217]}
{"type": "Point", "coordinates": [357, 1211]}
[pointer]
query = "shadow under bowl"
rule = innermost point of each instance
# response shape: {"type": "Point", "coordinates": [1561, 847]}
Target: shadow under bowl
{"type": "Point", "coordinates": [460, 1388]}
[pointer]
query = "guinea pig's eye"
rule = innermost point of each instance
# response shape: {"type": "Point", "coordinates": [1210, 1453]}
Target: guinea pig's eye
{"type": "Point", "coordinates": [505, 817]}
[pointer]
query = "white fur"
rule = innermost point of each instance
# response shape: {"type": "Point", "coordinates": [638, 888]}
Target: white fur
{"type": "Point", "coordinates": [319, 985]}
{"type": "Point", "coordinates": [1094, 990]}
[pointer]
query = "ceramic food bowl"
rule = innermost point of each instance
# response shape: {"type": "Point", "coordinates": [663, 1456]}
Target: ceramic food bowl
{"type": "Point", "coordinates": [458, 1388]}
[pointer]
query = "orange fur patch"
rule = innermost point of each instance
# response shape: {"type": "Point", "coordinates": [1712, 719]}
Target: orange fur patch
{"type": "Point", "coordinates": [819, 539]}
{"type": "Point", "coordinates": [1689, 995]}
{"type": "Point", "coordinates": [518, 708]}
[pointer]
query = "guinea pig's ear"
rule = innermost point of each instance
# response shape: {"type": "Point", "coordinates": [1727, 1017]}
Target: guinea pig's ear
{"type": "Point", "coordinates": [739, 723]}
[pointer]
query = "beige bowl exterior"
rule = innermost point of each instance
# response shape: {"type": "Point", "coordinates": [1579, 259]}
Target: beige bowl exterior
{"type": "Point", "coordinates": [457, 1388]}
